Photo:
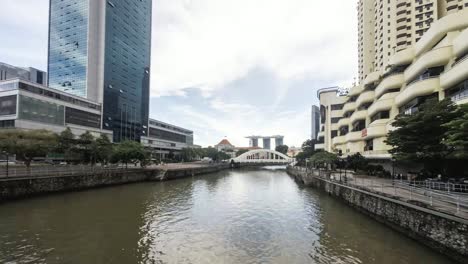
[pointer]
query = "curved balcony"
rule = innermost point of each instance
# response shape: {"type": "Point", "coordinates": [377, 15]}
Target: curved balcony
{"type": "Point", "coordinates": [439, 28]}
{"type": "Point", "coordinates": [416, 89]}
{"type": "Point", "coordinates": [359, 115]}
{"type": "Point", "coordinates": [391, 82]}
{"type": "Point", "coordinates": [319, 146]}
{"type": "Point", "coordinates": [372, 77]}
{"type": "Point", "coordinates": [455, 75]}
{"type": "Point", "coordinates": [383, 104]}
{"type": "Point", "coordinates": [334, 126]}
{"type": "Point", "coordinates": [436, 57]}
{"type": "Point", "coordinates": [376, 129]}
{"type": "Point", "coordinates": [403, 57]}
{"type": "Point", "coordinates": [343, 122]}
{"type": "Point", "coordinates": [460, 43]}
{"type": "Point", "coordinates": [354, 136]}
{"type": "Point", "coordinates": [349, 107]}
{"type": "Point", "coordinates": [356, 90]}
{"type": "Point", "coordinates": [338, 140]}
{"type": "Point", "coordinates": [365, 97]}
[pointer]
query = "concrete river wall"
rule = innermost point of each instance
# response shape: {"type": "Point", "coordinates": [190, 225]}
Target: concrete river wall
{"type": "Point", "coordinates": [445, 233]}
{"type": "Point", "coordinates": [15, 188]}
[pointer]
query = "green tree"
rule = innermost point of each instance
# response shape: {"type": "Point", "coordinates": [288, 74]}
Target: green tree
{"type": "Point", "coordinates": [282, 149]}
{"type": "Point", "coordinates": [27, 144]}
{"type": "Point", "coordinates": [241, 151]}
{"type": "Point", "coordinates": [419, 137]}
{"type": "Point", "coordinates": [324, 159]}
{"type": "Point", "coordinates": [66, 144]}
{"type": "Point", "coordinates": [189, 154]}
{"type": "Point", "coordinates": [308, 150]}
{"type": "Point", "coordinates": [87, 148]}
{"type": "Point", "coordinates": [130, 152]}
{"type": "Point", "coordinates": [214, 154]}
{"type": "Point", "coordinates": [102, 149]}
{"type": "Point", "coordinates": [456, 137]}
{"type": "Point", "coordinates": [356, 162]}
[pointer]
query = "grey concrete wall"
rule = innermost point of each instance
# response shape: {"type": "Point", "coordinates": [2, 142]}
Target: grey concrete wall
{"type": "Point", "coordinates": [26, 187]}
{"type": "Point", "coordinates": [444, 233]}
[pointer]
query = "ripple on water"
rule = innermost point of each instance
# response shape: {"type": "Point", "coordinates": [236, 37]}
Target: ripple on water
{"type": "Point", "coordinates": [259, 216]}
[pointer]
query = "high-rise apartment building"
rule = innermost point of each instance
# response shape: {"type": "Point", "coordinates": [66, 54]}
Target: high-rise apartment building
{"type": "Point", "coordinates": [314, 122]}
{"type": "Point", "coordinates": [101, 50]}
{"type": "Point", "coordinates": [428, 60]}
{"type": "Point", "coordinates": [386, 27]}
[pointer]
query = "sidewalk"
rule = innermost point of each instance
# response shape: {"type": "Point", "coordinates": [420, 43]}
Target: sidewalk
{"type": "Point", "coordinates": [446, 203]}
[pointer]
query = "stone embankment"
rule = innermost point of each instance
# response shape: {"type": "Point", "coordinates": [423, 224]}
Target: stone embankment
{"type": "Point", "coordinates": [21, 187]}
{"type": "Point", "coordinates": [445, 233]}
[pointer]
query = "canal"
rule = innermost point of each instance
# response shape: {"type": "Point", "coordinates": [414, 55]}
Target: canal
{"type": "Point", "coordinates": [242, 216]}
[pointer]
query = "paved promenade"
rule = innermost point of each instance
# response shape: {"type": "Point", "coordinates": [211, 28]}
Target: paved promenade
{"type": "Point", "coordinates": [451, 203]}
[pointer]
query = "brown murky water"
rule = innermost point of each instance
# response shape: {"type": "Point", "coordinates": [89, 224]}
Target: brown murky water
{"type": "Point", "coordinates": [251, 216]}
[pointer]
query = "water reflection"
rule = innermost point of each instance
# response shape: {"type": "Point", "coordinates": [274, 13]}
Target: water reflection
{"type": "Point", "coordinates": [257, 216]}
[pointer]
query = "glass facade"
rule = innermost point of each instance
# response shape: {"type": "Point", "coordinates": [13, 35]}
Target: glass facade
{"type": "Point", "coordinates": [41, 111]}
{"type": "Point", "coordinates": [8, 105]}
{"type": "Point", "coordinates": [68, 45]}
{"type": "Point", "coordinates": [166, 135]}
{"type": "Point", "coordinates": [82, 118]}
{"type": "Point", "coordinates": [127, 58]}
{"type": "Point", "coordinates": [126, 69]}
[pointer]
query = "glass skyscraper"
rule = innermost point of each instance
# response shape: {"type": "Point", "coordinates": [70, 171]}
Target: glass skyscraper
{"type": "Point", "coordinates": [101, 50]}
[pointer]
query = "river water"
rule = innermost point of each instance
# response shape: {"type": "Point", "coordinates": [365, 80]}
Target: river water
{"type": "Point", "coordinates": [243, 216]}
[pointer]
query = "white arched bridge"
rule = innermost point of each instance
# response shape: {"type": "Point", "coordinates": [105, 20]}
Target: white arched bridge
{"type": "Point", "coordinates": [264, 156]}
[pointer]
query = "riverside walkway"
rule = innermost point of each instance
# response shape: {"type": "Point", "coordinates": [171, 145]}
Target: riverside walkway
{"type": "Point", "coordinates": [444, 201]}
{"type": "Point", "coordinates": [15, 172]}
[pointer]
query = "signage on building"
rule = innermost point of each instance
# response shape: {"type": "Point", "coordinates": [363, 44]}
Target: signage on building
{"type": "Point", "coordinates": [364, 132]}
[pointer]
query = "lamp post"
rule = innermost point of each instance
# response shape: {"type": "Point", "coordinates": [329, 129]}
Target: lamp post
{"type": "Point", "coordinates": [393, 169]}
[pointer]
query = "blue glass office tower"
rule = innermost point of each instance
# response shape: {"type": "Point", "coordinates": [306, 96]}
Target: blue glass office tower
{"type": "Point", "coordinates": [101, 50]}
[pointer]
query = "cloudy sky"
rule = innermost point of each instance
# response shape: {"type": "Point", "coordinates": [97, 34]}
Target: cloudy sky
{"type": "Point", "coordinates": [224, 68]}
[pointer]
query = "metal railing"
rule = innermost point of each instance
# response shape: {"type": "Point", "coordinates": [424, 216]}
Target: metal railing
{"type": "Point", "coordinates": [455, 202]}
{"type": "Point", "coordinates": [58, 171]}
{"type": "Point", "coordinates": [446, 197]}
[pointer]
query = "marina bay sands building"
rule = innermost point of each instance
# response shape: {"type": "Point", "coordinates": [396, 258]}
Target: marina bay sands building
{"type": "Point", "coordinates": [279, 140]}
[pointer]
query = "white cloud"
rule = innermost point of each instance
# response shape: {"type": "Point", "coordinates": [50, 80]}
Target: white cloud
{"type": "Point", "coordinates": [255, 62]}
{"type": "Point", "coordinates": [208, 43]}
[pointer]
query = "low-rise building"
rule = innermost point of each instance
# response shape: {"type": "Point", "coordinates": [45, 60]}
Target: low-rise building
{"type": "Point", "coordinates": [30, 74]}
{"type": "Point", "coordinates": [165, 138]}
{"type": "Point", "coordinates": [28, 105]}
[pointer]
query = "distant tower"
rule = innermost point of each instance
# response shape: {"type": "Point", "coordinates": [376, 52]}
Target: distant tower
{"type": "Point", "coordinates": [267, 143]}
{"type": "Point", "coordinates": [253, 141]}
{"type": "Point", "coordinates": [279, 140]}
{"type": "Point", "coordinates": [315, 122]}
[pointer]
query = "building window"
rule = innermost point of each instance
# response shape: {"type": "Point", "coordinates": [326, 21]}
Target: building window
{"type": "Point", "coordinates": [7, 123]}
{"type": "Point", "coordinates": [8, 105]}
{"type": "Point", "coordinates": [82, 118]}
{"type": "Point", "coordinates": [335, 120]}
{"type": "Point", "coordinates": [166, 135]}
{"type": "Point", "coordinates": [380, 115]}
{"type": "Point", "coordinates": [40, 111]}
{"type": "Point", "coordinates": [337, 107]}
